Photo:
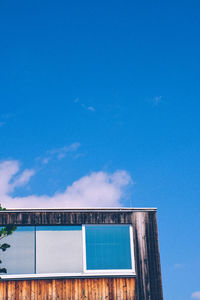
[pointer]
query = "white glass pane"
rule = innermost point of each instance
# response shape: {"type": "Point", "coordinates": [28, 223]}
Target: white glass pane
{"type": "Point", "coordinates": [19, 258]}
{"type": "Point", "coordinates": [58, 249]}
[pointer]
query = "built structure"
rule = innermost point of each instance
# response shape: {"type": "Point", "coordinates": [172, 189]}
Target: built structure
{"type": "Point", "coordinates": [90, 254]}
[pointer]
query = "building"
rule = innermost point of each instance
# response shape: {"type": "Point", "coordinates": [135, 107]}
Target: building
{"type": "Point", "coordinates": [81, 254]}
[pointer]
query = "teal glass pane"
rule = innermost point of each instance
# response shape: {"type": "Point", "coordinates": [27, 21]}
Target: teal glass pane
{"type": "Point", "coordinates": [108, 247]}
{"type": "Point", "coordinates": [20, 257]}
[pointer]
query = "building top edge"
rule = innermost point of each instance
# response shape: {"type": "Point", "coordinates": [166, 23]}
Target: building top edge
{"type": "Point", "coordinates": [105, 209]}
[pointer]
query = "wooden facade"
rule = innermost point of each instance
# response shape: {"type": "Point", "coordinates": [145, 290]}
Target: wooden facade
{"type": "Point", "coordinates": [146, 285]}
{"type": "Point", "coordinates": [69, 289]}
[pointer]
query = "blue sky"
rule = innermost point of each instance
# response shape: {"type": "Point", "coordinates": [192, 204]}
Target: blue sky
{"type": "Point", "coordinates": [100, 101]}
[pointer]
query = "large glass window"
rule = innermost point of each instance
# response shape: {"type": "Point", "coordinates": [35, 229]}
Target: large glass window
{"type": "Point", "coordinates": [58, 249]}
{"type": "Point", "coordinates": [108, 247]}
{"type": "Point", "coordinates": [69, 249]}
{"type": "Point", "coordinates": [19, 258]}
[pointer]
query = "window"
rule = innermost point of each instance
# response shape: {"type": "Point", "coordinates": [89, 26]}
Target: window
{"type": "Point", "coordinates": [19, 258]}
{"type": "Point", "coordinates": [86, 249]}
{"type": "Point", "coordinates": [64, 254]}
{"type": "Point", "coordinates": [108, 247]}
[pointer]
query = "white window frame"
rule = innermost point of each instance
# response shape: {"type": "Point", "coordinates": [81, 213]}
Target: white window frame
{"type": "Point", "coordinates": [109, 271]}
{"type": "Point", "coordinates": [85, 272]}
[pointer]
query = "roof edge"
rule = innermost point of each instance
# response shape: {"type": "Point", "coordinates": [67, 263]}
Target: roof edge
{"type": "Point", "coordinates": [105, 209]}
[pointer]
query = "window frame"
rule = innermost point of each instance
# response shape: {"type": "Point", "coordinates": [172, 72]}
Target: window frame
{"type": "Point", "coordinates": [108, 271]}
{"type": "Point", "coordinates": [85, 272]}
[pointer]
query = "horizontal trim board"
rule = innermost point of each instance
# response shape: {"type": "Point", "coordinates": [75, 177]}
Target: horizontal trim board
{"type": "Point", "coordinates": [117, 209]}
{"type": "Point", "coordinates": [65, 275]}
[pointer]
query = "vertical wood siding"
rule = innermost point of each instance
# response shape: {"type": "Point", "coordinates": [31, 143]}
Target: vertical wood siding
{"type": "Point", "coordinates": [69, 289]}
{"type": "Point", "coordinates": [146, 247]}
{"type": "Point", "coordinates": [147, 257]}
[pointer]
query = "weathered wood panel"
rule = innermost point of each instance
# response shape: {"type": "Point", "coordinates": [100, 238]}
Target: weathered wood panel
{"type": "Point", "coordinates": [147, 257]}
{"type": "Point", "coordinates": [69, 289]}
{"type": "Point", "coordinates": [145, 235]}
{"type": "Point", "coordinates": [63, 218]}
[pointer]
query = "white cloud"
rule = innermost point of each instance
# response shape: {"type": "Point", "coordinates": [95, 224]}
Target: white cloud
{"type": "Point", "coordinates": [196, 295]}
{"type": "Point", "coordinates": [62, 152]}
{"type": "Point", "coordinates": [23, 178]}
{"type": "Point", "coordinates": [98, 189]}
{"type": "Point", "coordinates": [59, 153]}
{"type": "Point", "coordinates": [46, 160]}
{"type": "Point", "coordinates": [7, 171]}
{"type": "Point", "coordinates": [91, 108]}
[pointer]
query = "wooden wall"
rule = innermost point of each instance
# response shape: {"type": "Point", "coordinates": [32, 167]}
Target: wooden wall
{"type": "Point", "coordinates": [69, 289]}
{"type": "Point", "coordinates": [147, 257]}
{"type": "Point", "coordinates": [145, 235]}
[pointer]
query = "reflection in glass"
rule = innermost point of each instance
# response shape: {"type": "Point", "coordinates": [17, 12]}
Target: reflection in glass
{"type": "Point", "coordinates": [19, 258]}
{"type": "Point", "coordinates": [108, 247]}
